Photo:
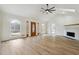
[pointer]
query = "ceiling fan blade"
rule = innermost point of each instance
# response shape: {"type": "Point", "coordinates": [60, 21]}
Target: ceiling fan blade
{"type": "Point", "coordinates": [43, 8]}
{"type": "Point", "coordinates": [52, 8]}
{"type": "Point", "coordinates": [50, 11]}
{"type": "Point", "coordinates": [42, 11]}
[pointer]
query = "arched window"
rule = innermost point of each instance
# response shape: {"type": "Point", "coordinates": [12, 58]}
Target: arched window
{"type": "Point", "coordinates": [15, 26]}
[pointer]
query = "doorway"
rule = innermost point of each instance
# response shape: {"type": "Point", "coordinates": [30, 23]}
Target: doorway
{"type": "Point", "coordinates": [33, 28]}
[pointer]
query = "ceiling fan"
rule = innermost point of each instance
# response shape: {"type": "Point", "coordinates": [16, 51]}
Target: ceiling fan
{"type": "Point", "coordinates": [47, 9]}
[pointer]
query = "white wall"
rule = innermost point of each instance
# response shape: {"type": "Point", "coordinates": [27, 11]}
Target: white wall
{"type": "Point", "coordinates": [59, 29]}
{"type": "Point", "coordinates": [55, 19]}
{"type": "Point", "coordinates": [59, 20]}
{"type": "Point", "coordinates": [7, 18]}
{"type": "Point", "coordinates": [67, 19]}
{"type": "Point", "coordinates": [63, 19]}
{"type": "Point", "coordinates": [0, 28]}
{"type": "Point", "coordinates": [0, 25]}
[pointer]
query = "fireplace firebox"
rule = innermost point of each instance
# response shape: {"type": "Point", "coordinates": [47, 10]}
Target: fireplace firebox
{"type": "Point", "coordinates": [71, 34]}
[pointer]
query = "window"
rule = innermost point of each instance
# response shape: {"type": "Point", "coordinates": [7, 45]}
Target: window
{"type": "Point", "coordinates": [43, 28]}
{"type": "Point", "coordinates": [15, 26]}
{"type": "Point", "coordinates": [53, 28]}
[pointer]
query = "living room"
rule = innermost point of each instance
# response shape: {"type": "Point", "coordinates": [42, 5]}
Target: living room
{"type": "Point", "coordinates": [38, 23]}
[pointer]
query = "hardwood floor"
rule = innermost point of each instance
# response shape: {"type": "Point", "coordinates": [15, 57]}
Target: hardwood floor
{"type": "Point", "coordinates": [40, 45]}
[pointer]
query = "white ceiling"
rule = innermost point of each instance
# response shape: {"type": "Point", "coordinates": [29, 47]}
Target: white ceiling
{"type": "Point", "coordinates": [21, 9]}
{"type": "Point", "coordinates": [32, 9]}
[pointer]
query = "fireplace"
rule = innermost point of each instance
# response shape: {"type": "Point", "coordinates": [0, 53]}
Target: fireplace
{"type": "Point", "coordinates": [71, 34]}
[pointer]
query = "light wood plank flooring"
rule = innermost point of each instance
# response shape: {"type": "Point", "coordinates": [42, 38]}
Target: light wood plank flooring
{"type": "Point", "coordinates": [40, 45]}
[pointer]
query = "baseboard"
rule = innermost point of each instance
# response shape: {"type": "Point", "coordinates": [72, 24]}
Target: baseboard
{"type": "Point", "coordinates": [69, 38]}
{"type": "Point", "coordinates": [12, 39]}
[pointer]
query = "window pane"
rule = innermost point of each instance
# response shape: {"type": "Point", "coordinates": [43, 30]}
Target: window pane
{"type": "Point", "coordinates": [15, 27]}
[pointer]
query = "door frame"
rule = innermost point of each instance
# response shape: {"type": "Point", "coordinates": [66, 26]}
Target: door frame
{"type": "Point", "coordinates": [33, 29]}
